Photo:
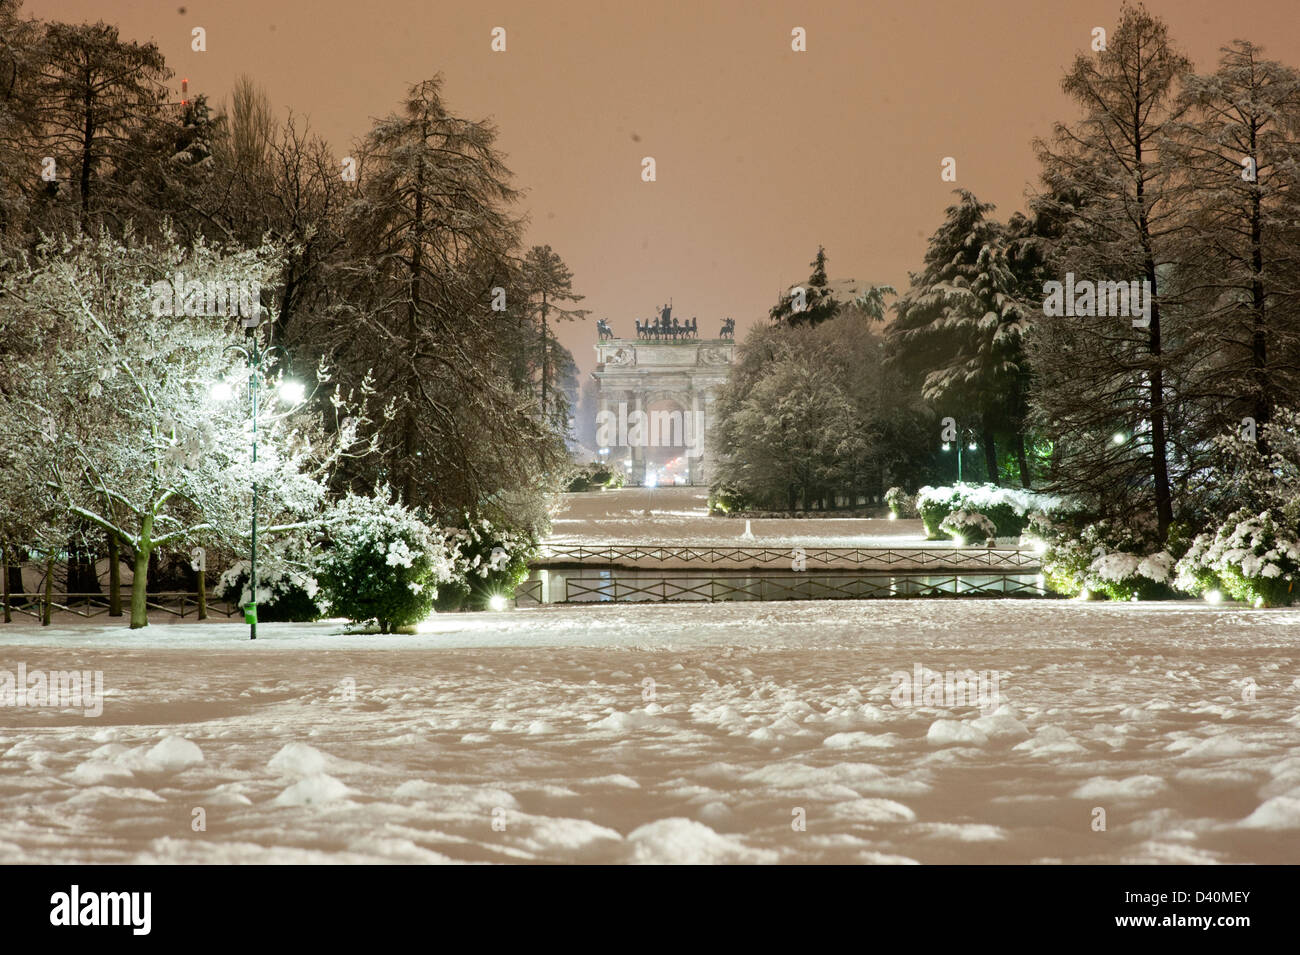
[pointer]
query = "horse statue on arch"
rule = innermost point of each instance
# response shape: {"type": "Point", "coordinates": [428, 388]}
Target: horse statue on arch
{"type": "Point", "coordinates": [603, 329]}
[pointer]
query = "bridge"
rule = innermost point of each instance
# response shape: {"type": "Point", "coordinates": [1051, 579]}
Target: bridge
{"type": "Point", "coordinates": [619, 572]}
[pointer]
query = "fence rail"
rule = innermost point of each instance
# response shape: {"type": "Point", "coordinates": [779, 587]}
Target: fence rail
{"type": "Point", "coordinates": [175, 603]}
{"type": "Point", "coordinates": [687, 556]}
{"type": "Point", "coordinates": [796, 587]}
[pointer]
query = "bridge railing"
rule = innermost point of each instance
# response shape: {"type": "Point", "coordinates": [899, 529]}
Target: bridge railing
{"type": "Point", "coordinates": [768, 555]}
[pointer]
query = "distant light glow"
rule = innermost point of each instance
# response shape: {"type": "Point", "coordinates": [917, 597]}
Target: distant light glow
{"type": "Point", "coordinates": [972, 446]}
{"type": "Point", "coordinates": [651, 479]}
{"type": "Point", "coordinates": [497, 602]}
{"type": "Point", "coordinates": [958, 540]}
{"type": "Point", "coordinates": [893, 516]}
{"type": "Point", "coordinates": [1117, 438]}
{"type": "Point", "coordinates": [1213, 597]}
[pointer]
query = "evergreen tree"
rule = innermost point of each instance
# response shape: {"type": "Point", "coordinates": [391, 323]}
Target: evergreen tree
{"type": "Point", "coordinates": [810, 304]}
{"type": "Point", "coordinates": [960, 327]}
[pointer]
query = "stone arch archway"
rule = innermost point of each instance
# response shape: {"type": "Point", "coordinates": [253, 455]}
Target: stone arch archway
{"type": "Point", "coordinates": [645, 382]}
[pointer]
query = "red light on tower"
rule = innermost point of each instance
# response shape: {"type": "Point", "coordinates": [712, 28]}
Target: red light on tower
{"type": "Point", "coordinates": [185, 91]}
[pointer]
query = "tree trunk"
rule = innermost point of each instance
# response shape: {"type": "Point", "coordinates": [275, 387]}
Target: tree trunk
{"type": "Point", "coordinates": [4, 575]}
{"type": "Point", "coordinates": [114, 576]}
{"type": "Point", "coordinates": [991, 457]}
{"type": "Point", "coordinates": [1026, 479]}
{"type": "Point", "coordinates": [203, 596]}
{"type": "Point", "coordinates": [545, 361]}
{"type": "Point", "coordinates": [1259, 339]}
{"type": "Point", "coordinates": [140, 582]}
{"type": "Point", "coordinates": [48, 603]}
{"type": "Point", "coordinates": [14, 570]}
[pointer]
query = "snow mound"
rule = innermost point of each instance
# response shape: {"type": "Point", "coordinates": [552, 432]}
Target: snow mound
{"type": "Point", "coordinates": [618, 722]}
{"type": "Point", "coordinates": [679, 841]}
{"type": "Point", "coordinates": [1219, 746]}
{"type": "Point", "coordinates": [1134, 787]}
{"type": "Point", "coordinates": [312, 790]}
{"type": "Point", "coordinates": [860, 740]}
{"type": "Point", "coordinates": [544, 834]}
{"type": "Point", "coordinates": [99, 772]}
{"type": "Point", "coordinates": [1280, 812]}
{"type": "Point", "coordinates": [1001, 724]}
{"type": "Point", "coordinates": [302, 760]}
{"type": "Point", "coordinates": [456, 797]}
{"type": "Point", "coordinates": [955, 732]}
{"type": "Point", "coordinates": [175, 753]}
{"type": "Point", "coordinates": [873, 810]}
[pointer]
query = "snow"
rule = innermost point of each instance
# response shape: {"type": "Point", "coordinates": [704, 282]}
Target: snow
{"type": "Point", "coordinates": [528, 736]}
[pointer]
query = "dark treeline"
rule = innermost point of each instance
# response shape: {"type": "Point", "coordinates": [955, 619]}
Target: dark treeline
{"type": "Point", "coordinates": [402, 270]}
{"type": "Point", "coordinates": [1183, 182]}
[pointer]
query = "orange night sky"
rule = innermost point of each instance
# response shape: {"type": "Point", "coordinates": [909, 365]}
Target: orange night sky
{"type": "Point", "coordinates": [762, 152]}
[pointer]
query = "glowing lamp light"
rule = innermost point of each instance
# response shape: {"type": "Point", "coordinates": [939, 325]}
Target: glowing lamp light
{"type": "Point", "coordinates": [292, 391]}
{"type": "Point", "coordinates": [1117, 438]}
{"type": "Point", "coordinates": [651, 479]}
{"type": "Point", "coordinates": [958, 540]}
{"type": "Point", "coordinates": [222, 391]}
{"type": "Point", "coordinates": [972, 446]}
{"type": "Point", "coordinates": [497, 603]}
{"type": "Point", "coordinates": [1213, 597]}
{"type": "Point", "coordinates": [893, 516]}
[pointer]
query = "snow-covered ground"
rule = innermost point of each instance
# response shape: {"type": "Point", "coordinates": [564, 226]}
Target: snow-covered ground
{"type": "Point", "coordinates": [531, 736]}
{"type": "Point", "coordinates": [680, 515]}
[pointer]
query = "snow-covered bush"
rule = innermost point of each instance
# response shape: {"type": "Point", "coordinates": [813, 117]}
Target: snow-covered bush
{"type": "Point", "coordinates": [284, 594]}
{"type": "Point", "coordinates": [968, 527]}
{"type": "Point", "coordinates": [1104, 559]}
{"type": "Point", "coordinates": [382, 563]}
{"type": "Point", "coordinates": [487, 561]}
{"type": "Point", "coordinates": [595, 476]}
{"type": "Point", "coordinates": [901, 504]}
{"type": "Point", "coordinates": [1252, 557]}
{"type": "Point", "coordinates": [726, 499]}
{"type": "Point", "coordinates": [1007, 507]}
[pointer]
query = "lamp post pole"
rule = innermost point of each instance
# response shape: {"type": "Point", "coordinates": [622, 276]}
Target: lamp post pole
{"type": "Point", "coordinates": [254, 355]}
{"type": "Point", "coordinates": [250, 613]}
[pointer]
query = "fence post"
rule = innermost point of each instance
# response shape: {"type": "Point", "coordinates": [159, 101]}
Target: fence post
{"type": "Point", "coordinates": [49, 590]}
{"type": "Point", "coordinates": [114, 575]}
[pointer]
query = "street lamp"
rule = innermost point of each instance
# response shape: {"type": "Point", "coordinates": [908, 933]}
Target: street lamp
{"type": "Point", "coordinates": [970, 447]}
{"type": "Point", "coordinates": [292, 392]}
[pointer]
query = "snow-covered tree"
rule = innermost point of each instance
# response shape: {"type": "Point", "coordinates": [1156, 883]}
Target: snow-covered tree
{"type": "Point", "coordinates": [122, 391]}
{"type": "Point", "coordinates": [1096, 376]}
{"type": "Point", "coordinates": [960, 330]}
{"type": "Point", "coordinates": [1238, 152]}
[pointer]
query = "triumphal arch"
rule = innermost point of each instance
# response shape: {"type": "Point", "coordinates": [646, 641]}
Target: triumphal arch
{"type": "Point", "coordinates": [656, 394]}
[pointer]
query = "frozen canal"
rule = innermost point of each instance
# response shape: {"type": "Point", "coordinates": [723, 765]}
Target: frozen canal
{"type": "Point", "coordinates": [668, 733]}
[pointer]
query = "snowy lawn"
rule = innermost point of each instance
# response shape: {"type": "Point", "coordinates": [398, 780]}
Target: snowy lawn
{"type": "Point", "coordinates": [679, 515]}
{"type": "Point", "coordinates": [527, 736]}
